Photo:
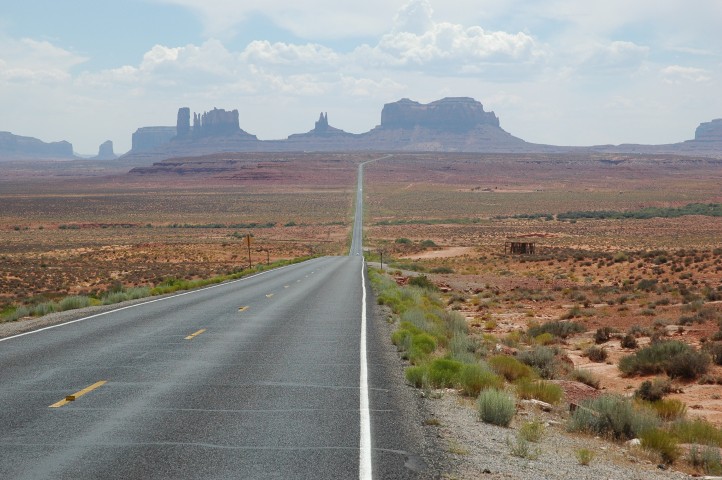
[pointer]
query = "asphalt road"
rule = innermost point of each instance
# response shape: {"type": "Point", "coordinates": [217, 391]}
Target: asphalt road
{"type": "Point", "coordinates": [274, 376]}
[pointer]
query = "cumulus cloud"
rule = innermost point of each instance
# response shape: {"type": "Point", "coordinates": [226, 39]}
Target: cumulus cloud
{"type": "Point", "coordinates": [680, 74]}
{"type": "Point", "coordinates": [614, 56]}
{"type": "Point", "coordinates": [289, 55]}
{"type": "Point", "coordinates": [28, 60]}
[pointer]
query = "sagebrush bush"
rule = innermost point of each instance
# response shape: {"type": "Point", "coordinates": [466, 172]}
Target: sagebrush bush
{"type": "Point", "coordinates": [74, 302]}
{"type": "Point", "coordinates": [707, 459]}
{"type": "Point", "coordinates": [462, 348]}
{"type": "Point", "coordinates": [542, 359]}
{"type": "Point", "coordinates": [714, 350]}
{"type": "Point", "coordinates": [613, 416]}
{"type": "Point", "coordinates": [539, 390]}
{"type": "Point", "coordinates": [496, 407]}
{"type": "Point", "coordinates": [474, 378]}
{"type": "Point", "coordinates": [559, 329]}
{"type": "Point", "coordinates": [510, 368]}
{"type": "Point", "coordinates": [675, 358]}
{"type": "Point", "coordinates": [603, 334]}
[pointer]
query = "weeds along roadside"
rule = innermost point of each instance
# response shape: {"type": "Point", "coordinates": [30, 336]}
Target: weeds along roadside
{"type": "Point", "coordinates": [119, 293]}
{"type": "Point", "coordinates": [442, 354]}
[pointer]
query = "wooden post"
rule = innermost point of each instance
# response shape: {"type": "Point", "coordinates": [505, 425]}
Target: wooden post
{"type": "Point", "coordinates": [248, 243]}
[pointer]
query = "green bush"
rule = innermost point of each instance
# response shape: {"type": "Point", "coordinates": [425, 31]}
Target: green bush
{"type": "Point", "coordinates": [714, 350]}
{"type": "Point", "coordinates": [496, 407]}
{"type": "Point", "coordinates": [559, 329]}
{"type": "Point", "coordinates": [532, 431]}
{"type": "Point", "coordinates": [661, 442]}
{"type": "Point", "coordinates": [669, 409]}
{"type": "Point", "coordinates": [44, 308]}
{"type": "Point", "coordinates": [653, 390]}
{"type": "Point", "coordinates": [613, 416]}
{"type": "Point", "coordinates": [603, 334]}
{"type": "Point", "coordinates": [423, 343]}
{"type": "Point", "coordinates": [697, 430]}
{"type": "Point", "coordinates": [417, 376]}
{"type": "Point", "coordinates": [461, 348]}
{"type": "Point", "coordinates": [510, 368]}
{"type": "Point", "coordinates": [422, 281]}
{"type": "Point", "coordinates": [585, 456]}
{"type": "Point", "coordinates": [444, 373]}
{"type": "Point", "coordinates": [539, 390]}
{"type": "Point", "coordinates": [474, 378]}
{"type": "Point", "coordinates": [542, 359]}
{"type": "Point", "coordinates": [675, 358]}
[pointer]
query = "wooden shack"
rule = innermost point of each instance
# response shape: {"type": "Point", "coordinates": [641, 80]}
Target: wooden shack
{"type": "Point", "coordinates": [517, 247]}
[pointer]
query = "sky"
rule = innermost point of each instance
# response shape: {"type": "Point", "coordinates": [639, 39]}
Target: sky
{"type": "Point", "coordinates": [562, 72]}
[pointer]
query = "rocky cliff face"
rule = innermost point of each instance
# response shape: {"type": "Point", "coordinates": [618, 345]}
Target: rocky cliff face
{"type": "Point", "coordinates": [105, 151]}
{"type": "Point", "coordinates": [454, 114]}
{"type": "Point", "coordinates": [15, 146]}
{"type": "Point", "coordinates": [709, 132]}
{"type": "Point", "coordinates": [149, 138]}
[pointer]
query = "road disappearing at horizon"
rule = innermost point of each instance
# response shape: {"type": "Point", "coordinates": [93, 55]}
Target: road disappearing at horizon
{"type": "Point", "coordinates": [263, 377]}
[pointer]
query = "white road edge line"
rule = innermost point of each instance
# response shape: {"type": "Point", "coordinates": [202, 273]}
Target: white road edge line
{"type": "Point", "coordinates": [143, 303]}
{"type": "Point", "coordinates": [365, 471]}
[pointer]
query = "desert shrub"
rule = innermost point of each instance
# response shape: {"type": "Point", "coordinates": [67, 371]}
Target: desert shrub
{"type": "Point", "coordinates": [422, 281]}
{"type": "Point", "coordinates": [510, 368]}
{"type": "Point", "coordinates": [496, 407]}
{"type": "Point", "coordinates": [675, 358]}
{"type": "Point", "coordinates": [542, 360]}
{"type": "Point", "coordinates": [706, 459]}
{"type": "Point", "coordinates": [661, 442]}
{"type": "Point", "coordinates": [422, 344]}
{"type": "Point", "coordinates": [559, 329]}
{"type": "Point", "coordinates": [402, 338]}
{"type": "Point", "coordinates": [585, 456]}
{"type": "Point", "coordinates": [522, 448]}
{"type": "Point", "coordinates": [532, 431]}
{"type": "Point", "coordinates": [44, 309]}
{"type": "Point", "coordinates": [653, 390]}
{"type": "Point", "coordinates": [428, 244]}
{"type": "Point", "coordinates": [697, 430]}
{"type": "Point", "coordinates": [596, 354]}
{"type": "Point", "coordinates": [669, 409]}
{"type": "Point", "coordinates": [584, 376]}
{"type": "Point", "coordinates": [16, 314]}
{"type": "Point", "coordinates": [443, 372]}
{"type": "Point", "coordinates": [417, 376]}
{"type": "Point", "coordinates": [461, 348]}
{"type": "Point", "coordinates": [544, 339]}
{"type": "Point", "coordinates": [603, 334]}
{"type": "Point", "coordinates": [442, 270]}
{"type": "Point", "coordinates": [539, 390]}
{"type": "Point", "coordinates": [629, 341]}
{"type": "Point", "coordinates": [474, 378]}
{"type": "Point", "coordinates": [714, 350]}
{"type": "Point", "coordinates": [403, 241]}
{"type": "Point", "coordinates": [613, 416]}
{"type": "Point", "coordinates": [639, 331]}
{"type": "Point", "coordinates": [76, 301]}
{"type": "Point", "coordinates": [455, 322]}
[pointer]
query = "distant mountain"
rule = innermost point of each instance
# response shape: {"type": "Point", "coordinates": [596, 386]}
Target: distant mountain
{"type": "Point", "coordinates": [454, 124]}
{"type": "Point", "coordinates": [15, 147]}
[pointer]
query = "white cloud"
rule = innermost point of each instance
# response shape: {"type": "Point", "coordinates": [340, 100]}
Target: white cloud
{"type": "Point", "coordinates": [679, 74]}
{"type": "Point", "coordinates": [289, 55]}
{"type": "Point", "coordinates": [28, 60]}
{"type": "Point", "coordinates": [613, 57]}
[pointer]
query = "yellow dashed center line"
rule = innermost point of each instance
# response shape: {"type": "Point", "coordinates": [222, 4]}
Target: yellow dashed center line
{"type": "Point", "coordinates": [269, 295]}
{"type": "Point", "coordinates": [243, 309]}
{"type": "Point", "coordinates": [285, 286]}
{"type": "Point", "coordinates": [76, 395]}
{"type": "Point", "coordinates": [194, 335]}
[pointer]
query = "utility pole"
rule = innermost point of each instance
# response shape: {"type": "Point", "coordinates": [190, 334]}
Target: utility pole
{"type": "Point", "coordinates": [248, 243]}
{"type": "Point", "coordinates": [381, 252]}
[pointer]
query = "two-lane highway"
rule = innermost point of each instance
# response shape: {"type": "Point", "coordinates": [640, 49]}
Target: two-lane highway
{"type": "Point", "coordinates": [270, 376]}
